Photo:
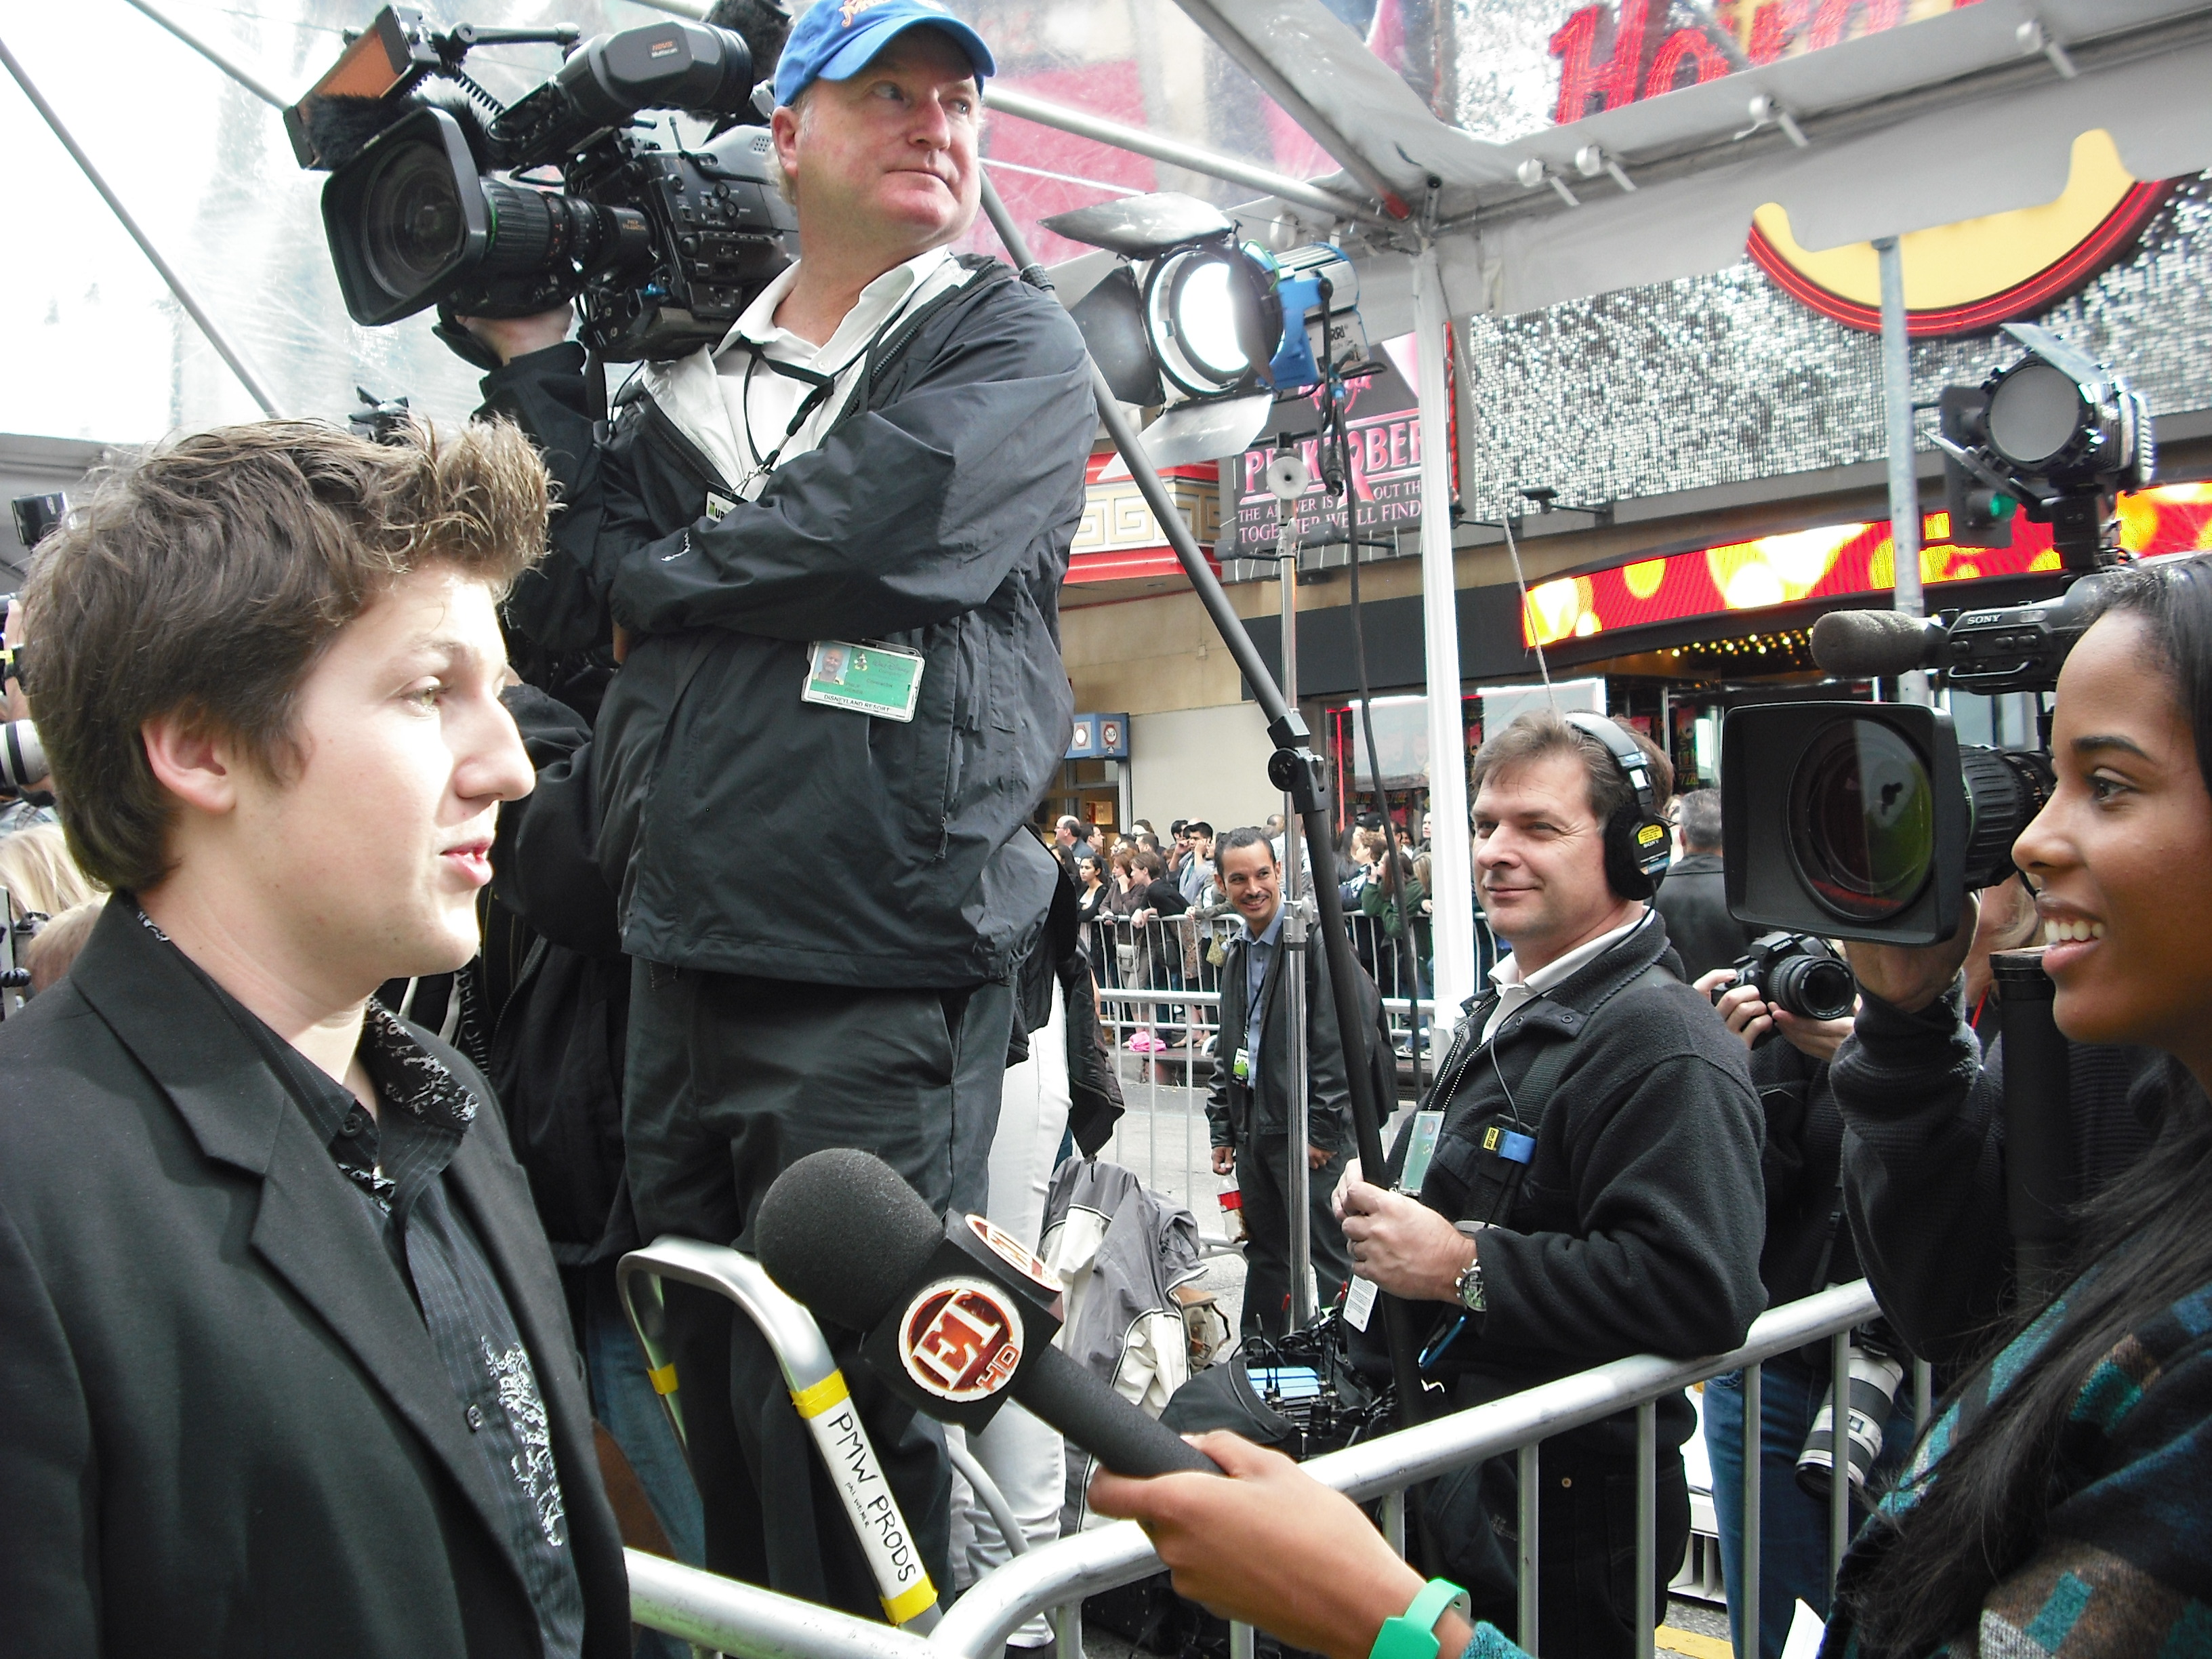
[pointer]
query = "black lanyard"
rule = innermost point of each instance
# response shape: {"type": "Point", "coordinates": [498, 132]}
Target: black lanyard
{"type": "Point", "coordinates": [822, 384]}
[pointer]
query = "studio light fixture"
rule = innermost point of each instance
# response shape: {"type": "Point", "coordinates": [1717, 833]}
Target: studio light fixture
{"type": "Point", "coordinates": [1211, 330]}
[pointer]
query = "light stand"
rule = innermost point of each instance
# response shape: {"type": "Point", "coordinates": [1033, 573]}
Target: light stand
{"type": "Point", "coordinates": [1293, 768]}
{"type": "Point", "coordinates": [1287, 479]}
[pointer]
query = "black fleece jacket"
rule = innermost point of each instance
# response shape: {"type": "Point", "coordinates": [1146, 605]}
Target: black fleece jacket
{"type": "Point", "coordinates": [1924, 1161]}
{"type": "Point", "coordinates": [1638, 1225]}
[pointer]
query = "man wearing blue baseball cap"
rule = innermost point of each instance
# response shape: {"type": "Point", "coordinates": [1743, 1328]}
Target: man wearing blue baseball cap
{"type": "Point", "coordinates": [833, 547]}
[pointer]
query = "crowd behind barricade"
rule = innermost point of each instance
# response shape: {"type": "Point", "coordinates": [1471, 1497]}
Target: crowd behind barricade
{"type": "Point", "coordinates": [1158, 920]}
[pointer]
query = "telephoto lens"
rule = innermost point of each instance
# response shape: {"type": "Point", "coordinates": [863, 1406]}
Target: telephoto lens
{"type": "Point", "coordinates": [22, 757]}
{"type": "Point", "coordinates": [1875, 1378]}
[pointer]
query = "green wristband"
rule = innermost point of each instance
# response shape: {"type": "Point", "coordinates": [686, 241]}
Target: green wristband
{"type": "Point", "coordinates": [1412, 1634]}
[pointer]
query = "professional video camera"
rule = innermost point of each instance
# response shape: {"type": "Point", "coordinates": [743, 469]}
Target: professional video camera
{"type": "Point", "coordinates": [665, 248]}
{"type": "Point", "coordinates": [1871, 821]}
{"type": "Point", "coordinates": [1798, 973]}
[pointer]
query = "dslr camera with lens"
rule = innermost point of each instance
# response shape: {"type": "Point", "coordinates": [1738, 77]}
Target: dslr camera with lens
{"type": "Point", "coordinates": [1871, 821]}
{"type": "Point", "coordinates": [1797, 973]}
{"type": "Point", "coordinates": [431, 203]}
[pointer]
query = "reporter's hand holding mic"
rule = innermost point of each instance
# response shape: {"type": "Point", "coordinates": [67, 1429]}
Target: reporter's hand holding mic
{"type": "Point", "coordinates": [1275, 1548]}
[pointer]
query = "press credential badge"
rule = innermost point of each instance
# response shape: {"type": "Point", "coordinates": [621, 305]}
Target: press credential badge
{"type": "Point", "coordinates": [875, 680]}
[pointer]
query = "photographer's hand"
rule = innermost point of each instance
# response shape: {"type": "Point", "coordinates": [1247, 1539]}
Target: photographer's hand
{"type": "Point", "coordinates": [1910, 977]}
{"type": "Point", "coordinates": [1816, 1039]}
{"type": "Point", "coordinates": [510, 337]}
{"type": "Point", "coordinates": [1742, 1009]}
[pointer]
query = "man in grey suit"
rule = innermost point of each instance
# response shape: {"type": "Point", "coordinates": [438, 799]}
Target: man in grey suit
{"type": "Point", "coordinates": [285, 1363]}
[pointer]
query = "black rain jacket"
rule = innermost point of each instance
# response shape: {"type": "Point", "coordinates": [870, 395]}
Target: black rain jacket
{"type": "Point", "coordinates": [742, 830]}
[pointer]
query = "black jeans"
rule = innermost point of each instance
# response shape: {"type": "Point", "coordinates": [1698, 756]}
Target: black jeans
{"type": "Point", "coordinates": [731, 1080]}
{"type": "Point", "coordinates": [1263, 1177]}
{"type": "Point", "coordinates": [1585, 1544]}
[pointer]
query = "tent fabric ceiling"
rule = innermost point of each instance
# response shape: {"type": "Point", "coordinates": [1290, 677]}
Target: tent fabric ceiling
{"type": "Point", "coordinates": [1928, 123]}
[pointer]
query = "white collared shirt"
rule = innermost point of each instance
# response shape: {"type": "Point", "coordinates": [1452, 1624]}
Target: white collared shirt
{"type": "Point", "coordinates": [1513, 991]}
{"type": "Point", "coordinates": [762, 403]}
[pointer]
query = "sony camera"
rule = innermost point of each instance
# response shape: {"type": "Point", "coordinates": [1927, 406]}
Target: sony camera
{"type": "Point", "coordinates": [1798, 973]}
{"type": "Point", "coordinates": [1870, 820]}
{"type": "Point", "coordinates": [430, 203]}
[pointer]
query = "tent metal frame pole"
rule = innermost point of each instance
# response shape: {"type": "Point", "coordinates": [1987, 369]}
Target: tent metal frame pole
{"type": "Point", "coordinates": [168, 273]}
{"type": "Point", "coordinates": [1904, 477]}
{"type": "Point", "coordinates": [1191, 158]}
{"type": "Point", "coordinates": [215, 55]}
{"type": "Point", "coordinates": [1451, 861]}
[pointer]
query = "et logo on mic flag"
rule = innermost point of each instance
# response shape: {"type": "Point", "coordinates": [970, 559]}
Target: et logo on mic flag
{"type": "Point", "coordinates": [961, 1339]}
{"type": "Point", "coordinates": [958, 1336]}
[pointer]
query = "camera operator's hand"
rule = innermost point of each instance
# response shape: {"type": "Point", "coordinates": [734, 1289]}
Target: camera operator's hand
{"type": "Point", "coordinates": [1274, 1547]}
{"type": "Point", "coordinates": [510, 337]}
{"type": "Point", "coordinates": [1910, 977]}
{"type": "Point", "coordinates": [1344, 1183]}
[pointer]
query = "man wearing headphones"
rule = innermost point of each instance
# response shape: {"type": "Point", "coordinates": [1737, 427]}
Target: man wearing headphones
{"type": "Point", "coordinates": [1582, 1181]}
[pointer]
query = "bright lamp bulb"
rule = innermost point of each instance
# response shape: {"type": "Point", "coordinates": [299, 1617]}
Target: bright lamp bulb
{"type": "Point", "coordinates": [1204, 315]}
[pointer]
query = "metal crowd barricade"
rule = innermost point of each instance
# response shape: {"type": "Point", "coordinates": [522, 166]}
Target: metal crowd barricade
{"type": "Point", "coordinates": [741, 1619]}
{"type": "Point", "coordinates": [1159, 1002]}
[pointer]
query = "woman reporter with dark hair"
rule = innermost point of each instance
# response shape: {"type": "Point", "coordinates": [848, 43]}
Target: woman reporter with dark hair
{"type": "Point", "coordinates": [2061, 1501]}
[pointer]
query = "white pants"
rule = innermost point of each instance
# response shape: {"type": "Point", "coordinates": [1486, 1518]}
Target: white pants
{"type": "Point", "coordinates": [1022, 1455]}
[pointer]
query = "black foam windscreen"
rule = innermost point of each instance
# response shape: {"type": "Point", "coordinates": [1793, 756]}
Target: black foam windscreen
{"type": "Point", "coordinates": [842, 1232]}
{"type": "Point", "coordinates": [1872, 644]}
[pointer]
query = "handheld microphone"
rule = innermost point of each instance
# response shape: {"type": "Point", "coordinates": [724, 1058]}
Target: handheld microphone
{"type": "Point", "coordinates": [1876, 644]}
{"type": "Point", "coordinates": [959, 1317]}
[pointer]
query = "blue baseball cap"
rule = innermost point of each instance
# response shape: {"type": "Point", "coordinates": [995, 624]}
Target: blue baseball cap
{"type": "Point", "coordinates": [837, 38]}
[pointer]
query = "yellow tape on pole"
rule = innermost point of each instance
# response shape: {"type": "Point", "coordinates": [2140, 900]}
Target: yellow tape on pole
{"type": "Point", "coordinates": [911, 1603]}
{"type": "Point", "coordinates": [818, 1397]}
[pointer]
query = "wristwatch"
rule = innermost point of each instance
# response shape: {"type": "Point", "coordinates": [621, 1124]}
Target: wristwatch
{"type": "Point", "coordinates": [1412, 1634]}
{"type": "Point", "coordinates": [1468, 1287]}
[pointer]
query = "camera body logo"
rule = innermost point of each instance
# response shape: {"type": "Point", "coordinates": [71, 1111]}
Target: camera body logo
{"type": "Point", "coordinates": [960, 1339]}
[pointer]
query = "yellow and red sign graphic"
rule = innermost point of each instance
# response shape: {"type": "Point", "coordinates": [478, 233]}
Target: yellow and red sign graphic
{"type": "Point", "coordinates": [1835, 561]}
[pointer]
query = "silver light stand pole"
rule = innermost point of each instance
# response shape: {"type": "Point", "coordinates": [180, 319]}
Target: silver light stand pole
{"type": "Point", "coordinates": [1904, 477]}
{"type": "Point", "coordinates": [1287, 479]}
{"type": "Point", "coordinates": [1294, 767]}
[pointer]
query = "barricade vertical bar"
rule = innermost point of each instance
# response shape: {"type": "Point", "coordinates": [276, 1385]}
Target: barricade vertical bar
{"type": "Point", "coordinates": [1923, 1394]}
{"type": "Point", "coordinates": [1530, 1498]}
{"type": "Point", "coordinates": [1745, 1596]}
{"type": "Point", "coordinates": [1839, 1457]}
{"type": "Point", "coordinates": [1240, 1641]}
{"type": "Point", "coordinates": [1647, 1505]}
{"type": "Point", "coordinates": [1068, 1630]}
{"type": "Point", "coordinates": [1394, 1520]}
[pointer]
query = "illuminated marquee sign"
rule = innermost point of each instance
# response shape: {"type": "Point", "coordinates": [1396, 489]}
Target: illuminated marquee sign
{"type": "Point", "coordinates": [1829, 563]}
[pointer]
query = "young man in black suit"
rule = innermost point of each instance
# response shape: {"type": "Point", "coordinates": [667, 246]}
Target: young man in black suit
{"type": "Point", "coordinates": [284, 1365]}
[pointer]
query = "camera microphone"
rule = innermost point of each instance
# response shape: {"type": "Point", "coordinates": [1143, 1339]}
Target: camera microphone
{"type": "Point", "coordinates": [1875, 644]}
{"type": "Point", "coordinates": [22, 757]}
{"type": "Point", "coordinates": [958, 1316]}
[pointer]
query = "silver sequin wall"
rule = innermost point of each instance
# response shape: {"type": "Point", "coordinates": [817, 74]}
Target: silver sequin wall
{"type": "Point", "coordinates": [1719, 379]}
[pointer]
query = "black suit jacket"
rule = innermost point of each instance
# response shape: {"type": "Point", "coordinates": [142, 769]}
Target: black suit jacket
{"type": "Point", "coordinates": [1694, 898]}
{"type": "Point", "coordinates": [223, 1429]}
{"type": "Point", "coordinates": [1233, 1113]}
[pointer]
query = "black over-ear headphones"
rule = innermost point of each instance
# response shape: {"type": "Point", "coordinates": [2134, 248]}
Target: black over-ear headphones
{"type": "Point", "coordinates": [1638, 844]}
